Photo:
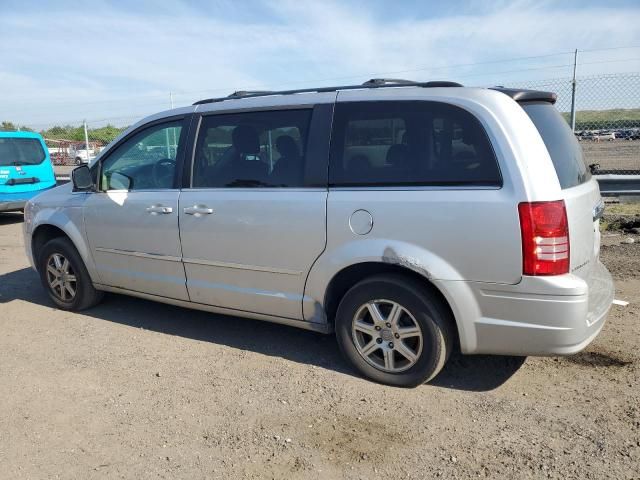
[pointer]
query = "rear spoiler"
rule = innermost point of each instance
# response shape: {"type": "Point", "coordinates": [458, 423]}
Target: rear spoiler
{"type": "Point", "coordinates": [521, 95]}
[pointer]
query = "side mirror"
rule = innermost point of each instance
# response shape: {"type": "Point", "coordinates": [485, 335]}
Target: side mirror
{"type": "Point", "coordinates": [82, 179]}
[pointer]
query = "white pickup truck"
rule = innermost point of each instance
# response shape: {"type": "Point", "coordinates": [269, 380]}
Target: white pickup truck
{"type": "Point", "coordinates": [81, 154]}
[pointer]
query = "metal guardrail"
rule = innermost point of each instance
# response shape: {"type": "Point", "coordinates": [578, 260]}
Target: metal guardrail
{"type": "Point", "coordinates": [613, 185]}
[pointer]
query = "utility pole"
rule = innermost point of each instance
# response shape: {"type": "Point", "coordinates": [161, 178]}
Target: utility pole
{"type": "Point", "coordinates": [573, 92]}
{"type": "Point", "coordinates": [171, 99]}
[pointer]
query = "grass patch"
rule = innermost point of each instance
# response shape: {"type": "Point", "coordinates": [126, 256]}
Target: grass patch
{"type": "Point", "coordinates": [626, 209]}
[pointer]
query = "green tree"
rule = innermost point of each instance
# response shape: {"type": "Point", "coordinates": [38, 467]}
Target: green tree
{"type": "Point", "coordinates": [8, 126]}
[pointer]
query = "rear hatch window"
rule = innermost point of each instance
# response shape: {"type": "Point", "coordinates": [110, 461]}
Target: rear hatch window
{"type": "Point", "coordinates": [20, 151]}
{"type": "Point", "coordinates": [565, 151]}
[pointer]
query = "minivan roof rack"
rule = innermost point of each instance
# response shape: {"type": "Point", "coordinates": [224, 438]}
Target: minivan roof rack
{"type": "Point", "coordinates": [373, 83]}
{"type": "Point", "coordinates": [382, 82]}
{"type": "Point", "coordinates": [247, 93]}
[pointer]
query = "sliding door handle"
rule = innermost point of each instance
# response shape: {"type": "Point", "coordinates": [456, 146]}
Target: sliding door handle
{"type": "Point", "coordinates": [198, 210]}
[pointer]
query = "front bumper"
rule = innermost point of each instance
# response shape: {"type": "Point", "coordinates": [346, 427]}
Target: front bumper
{"type": "Point", "coordinates": [542, 315]}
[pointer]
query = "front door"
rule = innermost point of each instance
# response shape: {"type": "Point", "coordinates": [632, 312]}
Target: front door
{"type": "Point", "coordinates": [253, 223]}
{"type": "Point", "coordinates": [132, 221]}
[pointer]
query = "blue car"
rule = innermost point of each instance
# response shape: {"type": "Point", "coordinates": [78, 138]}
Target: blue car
{"type": "Point", "coordinates": [25, 169]}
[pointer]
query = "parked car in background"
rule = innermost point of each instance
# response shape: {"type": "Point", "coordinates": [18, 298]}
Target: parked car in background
{"type": "Point", "coordinates": [409, 218]}
{"type": "Point", "coordinates": [585, 135]}
{"type": "Point", "coordinates": [628, 134]}
{"type": "Point", "coordinates": [604, 137]}
{"type": "Point", "coordinates": [83, 154]}
{"type": "Point", "coordinates": [25, 169]}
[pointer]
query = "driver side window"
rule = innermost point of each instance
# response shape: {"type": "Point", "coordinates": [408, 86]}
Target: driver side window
{"type": "Point", "coordinates": [146, 161]}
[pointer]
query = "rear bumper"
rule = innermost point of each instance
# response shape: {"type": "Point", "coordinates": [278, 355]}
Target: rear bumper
{"type": "Point", "coordinates": [11, 206]}
{"type": "Point", "coordinates": [540, 315]}
{"type": "Point", "coordinates": [16, 201]}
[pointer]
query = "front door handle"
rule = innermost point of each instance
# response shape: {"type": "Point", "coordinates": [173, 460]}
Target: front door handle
{"type": "Point", "coordinates": [159, 209]}
{"type": "Point", "coordinates": [198, 210]}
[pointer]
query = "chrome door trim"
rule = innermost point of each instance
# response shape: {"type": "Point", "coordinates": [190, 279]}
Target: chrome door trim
{"type": "Point", "coordinates": [259, 189]}
{"type": "Point", "coordinates": [239, 266]}
{"type": "Point", "coordinates": [131, 253]}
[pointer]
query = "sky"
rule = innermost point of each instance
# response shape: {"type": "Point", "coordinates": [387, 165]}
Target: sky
{"type": "Point", "coordinates": [116, 61]}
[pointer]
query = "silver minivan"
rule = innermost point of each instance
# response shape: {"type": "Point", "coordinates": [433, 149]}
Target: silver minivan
{"type": "Point", "coordinates": [411, 219]}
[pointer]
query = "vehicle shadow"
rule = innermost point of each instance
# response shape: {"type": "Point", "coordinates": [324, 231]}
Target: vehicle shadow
{"type": "Point", "coordinates": [473, 373]}
{"type": "Point", "coordinates": [9, 218]}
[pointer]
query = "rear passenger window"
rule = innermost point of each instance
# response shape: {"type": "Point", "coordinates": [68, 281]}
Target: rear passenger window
{"type": "Point", "coordinates": [409, 143]}
{"type": "Point", "coordinates": [255, 149]}
{"type": "Point", "coordinates": [564, 149]}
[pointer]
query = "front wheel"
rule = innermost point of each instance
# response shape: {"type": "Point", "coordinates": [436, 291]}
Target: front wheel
{"type": "Point", "coordinates": [394, 330]}
{"type": "Point", "coordinates": [65, 277]}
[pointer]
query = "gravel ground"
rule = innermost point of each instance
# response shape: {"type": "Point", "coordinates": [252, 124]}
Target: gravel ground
{"type": "Point", "coordinates": [618, 154]}
{"type": "Point", "coordinates": [134, 389]}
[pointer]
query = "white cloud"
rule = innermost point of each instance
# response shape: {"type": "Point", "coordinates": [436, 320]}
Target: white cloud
{"type": "Point", "coordinates": [109, 62]}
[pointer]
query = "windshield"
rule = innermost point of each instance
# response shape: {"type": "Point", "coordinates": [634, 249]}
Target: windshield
{"type": "Point", "coordinates": [564, 149]}
{"type": "Point", "coordinates": [20, 151]}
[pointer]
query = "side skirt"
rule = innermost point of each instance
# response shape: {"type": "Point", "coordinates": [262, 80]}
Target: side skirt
{"type": "Point", "coordinates": [315, 327]}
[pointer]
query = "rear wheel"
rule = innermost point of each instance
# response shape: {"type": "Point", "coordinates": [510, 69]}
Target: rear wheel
{"type": "Point", "coordinates": [65, 277]}
{"type": "Point", "coordinates": [394, 330]}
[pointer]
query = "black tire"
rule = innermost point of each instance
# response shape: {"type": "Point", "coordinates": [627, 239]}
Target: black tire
{"type": "Point", "coordinates": [86, 296]}
{"type": "Point", "coordinates": [78, 161]}
{"type": "Point", "coordinates": [428, 311]}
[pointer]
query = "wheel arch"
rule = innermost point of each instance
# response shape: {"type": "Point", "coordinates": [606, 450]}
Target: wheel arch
{"type": "Point", "coordinates": [43, 234]}
{"type": "Point", "coordinates": [49, 229]}
{"type": "Point", "coordinates": [344, 279]}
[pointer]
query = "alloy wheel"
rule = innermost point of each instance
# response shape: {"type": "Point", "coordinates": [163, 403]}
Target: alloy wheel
{"type": "Point", "coordinates": [387, 336]}
{"type": "Point", "coordinates": [61, 277]}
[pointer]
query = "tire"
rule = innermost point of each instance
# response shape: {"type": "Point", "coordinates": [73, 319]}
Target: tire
{"type": "Point", "coordinates": [78, 161]}
{"type": "Point", "coordinates": [84, 294]}
{"type": "Point", "coordinates": [418, 307]}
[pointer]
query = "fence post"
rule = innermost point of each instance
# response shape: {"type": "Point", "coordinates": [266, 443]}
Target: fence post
{"type": "Point", "coordinates": [573, 92]}
{"type": "Point", "coordinates": [86, 139]}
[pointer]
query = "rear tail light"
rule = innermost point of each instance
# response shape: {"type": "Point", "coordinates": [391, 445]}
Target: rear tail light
{"type": "Point", "coordinates": [545, 238]}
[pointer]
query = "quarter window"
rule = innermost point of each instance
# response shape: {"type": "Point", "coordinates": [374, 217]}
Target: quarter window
{"type": "Point", "coordinates": [248, 150]}
{"type": "Point", "coordinates": [146, 161]}
{"type": "Point", "coordinates": [409, 143]}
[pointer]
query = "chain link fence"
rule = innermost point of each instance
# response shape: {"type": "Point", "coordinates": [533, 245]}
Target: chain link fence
{"type": "Point", "coordinates": [607, 118]}
{"type": "Point", "coordinates": [77, 144]}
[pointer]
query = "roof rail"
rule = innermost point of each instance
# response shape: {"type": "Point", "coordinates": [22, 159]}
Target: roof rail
{"type": "Point", "coordinates": [389, 82]}
{"type": "Point", "coordinates": [373, 83]}
{"type": "Point", "coordinates": [247, 93]}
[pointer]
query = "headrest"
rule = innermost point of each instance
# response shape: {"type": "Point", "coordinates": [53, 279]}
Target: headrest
{"type": "Point", "coordinates": [245, 139]}
{"type": "Point", "coordinates": [287, 146]}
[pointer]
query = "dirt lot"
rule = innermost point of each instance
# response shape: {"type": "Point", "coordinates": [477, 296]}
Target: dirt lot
{"type": "Point", "coordinates": [614, 155]}
{"type": "Point", "coordinates": [133, 389]}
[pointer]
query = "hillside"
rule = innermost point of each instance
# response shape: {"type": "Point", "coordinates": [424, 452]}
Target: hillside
{"type": "Point", "coordinates": [597, 119]}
